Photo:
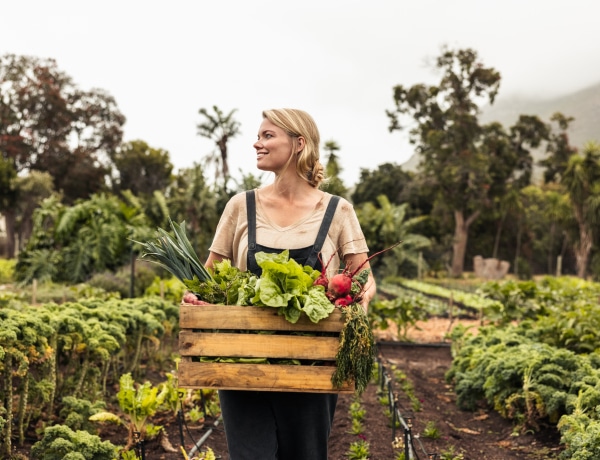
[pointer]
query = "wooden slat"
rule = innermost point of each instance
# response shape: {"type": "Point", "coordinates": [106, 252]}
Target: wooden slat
{"type": "Point", "coordinates": [257, 345]}
{"type": "Point", "coordinates": [259, 377]}
{"type": "Point", "coordinates": [229, 317]}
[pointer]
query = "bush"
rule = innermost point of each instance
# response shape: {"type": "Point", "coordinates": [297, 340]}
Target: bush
{"type": "Point", "coordinates": [523, 269]}
{"type": "Point", "coordinates": [111, 282]}
{"type": "Point", "coordinates": [170, 289]}
{"type": "Point", "coordinates": [7, 270]}
{"type": "Point", "coordinates": [120, 281]}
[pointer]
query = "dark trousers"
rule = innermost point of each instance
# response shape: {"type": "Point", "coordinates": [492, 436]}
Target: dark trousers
{"type": "Point", "coordinates": [277, 425]}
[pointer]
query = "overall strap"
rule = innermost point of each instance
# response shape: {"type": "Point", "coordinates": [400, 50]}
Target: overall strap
{"type": "Point", "coordinates": [251, 212]}
{"type": "Point", "coordinates": [329, 212]}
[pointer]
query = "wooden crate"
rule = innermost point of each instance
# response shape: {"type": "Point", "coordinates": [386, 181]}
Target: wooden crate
{"type": "Point", "coordinates": [221, 331]}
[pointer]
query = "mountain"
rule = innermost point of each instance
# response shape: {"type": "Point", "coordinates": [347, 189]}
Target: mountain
{"type": "Point", "coordinates": [583, 105]}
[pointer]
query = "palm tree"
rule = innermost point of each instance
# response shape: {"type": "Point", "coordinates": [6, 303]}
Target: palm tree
{"type": "Point", "coordinates": [334, 183]}
{"type": "Point", "coordinates": [219, 128]}
{"type": "Point", "coordinates": [582, 182]}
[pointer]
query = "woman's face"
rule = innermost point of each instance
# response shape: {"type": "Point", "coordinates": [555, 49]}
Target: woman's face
{"type": "Point", "coordinates": [273, 147]}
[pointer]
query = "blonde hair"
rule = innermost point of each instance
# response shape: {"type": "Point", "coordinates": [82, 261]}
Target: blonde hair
{"type": "Point", "coordinates": [297, 123]}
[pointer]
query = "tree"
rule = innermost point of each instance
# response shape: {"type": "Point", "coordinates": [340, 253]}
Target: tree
{"type": "Point", "coordinates": [8, 202]}
{"type": "Point", "coordinates": [447, 134]}
{"type": "Point", "coordinates": [546, 216]}
{"type": "Point", "coordinates": [334, 184]}
{"type": "Point", "coordinates": [510, 165]}
{"type": "Point", "coordinates": [387, 179]}
{"type": "Point", "coordinates": [49, 124]}
{"type": "Point", "coordinates": [559, 149]}
{"type": "Point", "coordinates": [385, 224]}
{"type": "Point", "coordinates": [191, 199]}
{"type": "Point", "coordinates": [219, 128]}
{"type": "Point", "coordinates": [141, 168]}
{"type": "Point", "coordinates": [248, 181]}
{"type": "Point", "coordinates": [581, 179]}
{"type": "Point", "coordinates": [33, 189]}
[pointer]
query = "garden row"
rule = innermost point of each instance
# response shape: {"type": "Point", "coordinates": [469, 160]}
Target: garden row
{"type": "Point", "coordinates": [538, 363]}
{"type": "Point", "coordinates": [81, 349]}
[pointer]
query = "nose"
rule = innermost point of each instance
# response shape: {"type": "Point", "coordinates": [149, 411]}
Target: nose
{"type": "Point", "coordinates": [258, 144]}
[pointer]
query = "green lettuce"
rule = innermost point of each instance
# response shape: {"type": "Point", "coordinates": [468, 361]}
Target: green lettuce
{"type": "Point", "coordinates": [288, 286]}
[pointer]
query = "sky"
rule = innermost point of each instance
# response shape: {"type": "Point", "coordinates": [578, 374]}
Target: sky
{"type": "Point", "coordinates": [337, 59]}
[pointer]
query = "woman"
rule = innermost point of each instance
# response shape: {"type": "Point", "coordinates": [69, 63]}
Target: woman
{"type": "Point", "coordinates": [291, 213]}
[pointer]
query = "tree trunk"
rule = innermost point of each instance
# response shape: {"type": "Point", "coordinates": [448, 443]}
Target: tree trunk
{"type": "Point", "coordinates": [9, 219]}
{"type": "Point", "coordinates": [582, 249]}
{"type": "Point", "coordinates": [518, 248]}
{"type": "Point", "coordinates": [551, 249]}
{"type": "Point", "coordinates": [498, 234]}
{"type": "Point", "coordinates": [461, 236]}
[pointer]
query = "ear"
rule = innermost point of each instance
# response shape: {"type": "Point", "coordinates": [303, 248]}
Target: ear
{"type": "Point", "coordinates": [301, 144]}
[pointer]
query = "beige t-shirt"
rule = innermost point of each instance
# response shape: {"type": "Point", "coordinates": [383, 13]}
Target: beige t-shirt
{"type": "Point", "coordinates": [344, 236]}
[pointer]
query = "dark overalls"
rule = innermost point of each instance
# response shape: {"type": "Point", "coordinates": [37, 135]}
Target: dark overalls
{"type": "Point", "coordinates": [262, 425]}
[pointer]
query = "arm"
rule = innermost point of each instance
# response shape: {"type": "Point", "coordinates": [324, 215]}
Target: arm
{"type": "Point", "coordinates": [355, 260]}
{"type": "Point", "coordinates": [213, 257]}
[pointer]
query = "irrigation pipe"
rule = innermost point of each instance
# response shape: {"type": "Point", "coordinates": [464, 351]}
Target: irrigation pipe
{"type": "Point", "coordinates": [203, 438]}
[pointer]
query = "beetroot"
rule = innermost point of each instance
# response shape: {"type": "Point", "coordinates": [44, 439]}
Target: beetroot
{"type": "Point", "coordinates": [343, 301]}
{"type": "Point", "coordinates": [340, 285]}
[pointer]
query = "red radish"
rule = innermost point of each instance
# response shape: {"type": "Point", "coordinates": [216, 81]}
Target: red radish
{"type": "Point", "coordinates": [343, 301]}
{"type": "Point", "coordinates": [340, 285]}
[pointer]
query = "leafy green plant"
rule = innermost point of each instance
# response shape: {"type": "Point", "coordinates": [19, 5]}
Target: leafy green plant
{"type": "Point", "coordinates": [580, 433]}
{"type": "Point", "coordinates": [407, 387]}
{"type": "Point", "coordinates": [76, 412]}
{"type": "Point", "coordinates": [451, 454]}
{"type": "Point", "coordinates": [357, 426]}
{"type": "Point", "coordinates": [206, 455]}
{"type": "Point", "coordinates": [208, 400]}
{"type": "Point", "coordinates": [431, 431]}
{"type": "Point", "coordinates": [404, 311]}
{"type": "Point", "coordinates": [384, 399]}
{"type": "Point", "coordinates": [195, 415]}
{"type": "Point", "coordinates": [60, 442]}
{"type": "Point", "coordinates": [359, 450]}
{"type": "Point", "coordinates": [357, 411]}
{"type": "Point", "coordinates": [138, 403]}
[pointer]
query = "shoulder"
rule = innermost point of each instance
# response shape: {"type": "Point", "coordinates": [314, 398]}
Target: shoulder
{"type": "Point", "coordinates": [235, 208]}
{"type": "Point", "coordinates": [237, 201]}
{"type": "Point", "coordinates": [344, 207]}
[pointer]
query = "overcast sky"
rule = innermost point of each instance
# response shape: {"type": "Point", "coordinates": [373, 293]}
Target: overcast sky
{"type": "Point", "coordinates": [338, 60]}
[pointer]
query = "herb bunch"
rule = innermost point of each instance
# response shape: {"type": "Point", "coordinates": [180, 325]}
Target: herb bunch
{"type": "Point", "coordinates": [356, 352]}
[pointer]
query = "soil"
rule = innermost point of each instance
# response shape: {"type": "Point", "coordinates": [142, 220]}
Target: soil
{"type": "Point", "coordinates": [424, 360]}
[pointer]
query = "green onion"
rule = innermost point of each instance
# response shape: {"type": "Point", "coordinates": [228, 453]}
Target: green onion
{"type": "Point", "coordinates": [175, 254]}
